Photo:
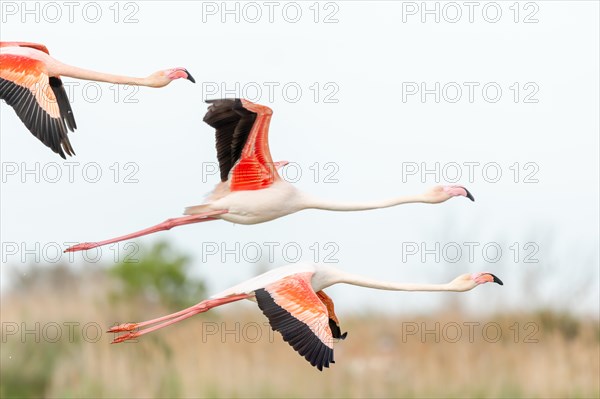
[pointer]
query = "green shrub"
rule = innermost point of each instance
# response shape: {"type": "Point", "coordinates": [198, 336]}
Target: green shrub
{"type": "Point", "coordinates": [158, 274]}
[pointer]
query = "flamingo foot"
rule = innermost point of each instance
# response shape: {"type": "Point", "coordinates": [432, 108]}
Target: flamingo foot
{"type": "Point", "coordinates": [125, 337]}
{"type": "Point", "coordinates": [123, 327]}
{"type": "Point", "coordinates": [84, 246]}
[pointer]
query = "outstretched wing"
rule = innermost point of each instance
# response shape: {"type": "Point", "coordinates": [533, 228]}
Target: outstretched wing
{"type": "Point", "coordinates": [294, 310]}
{"type": "Point", "coordinates": [39, 100]}
{"type": "Point", "coordinates": [242, 143]}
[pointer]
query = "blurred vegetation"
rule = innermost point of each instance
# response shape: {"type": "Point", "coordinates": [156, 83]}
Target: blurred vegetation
{"type": "Point", "coordinates": [566, 324]}
{"type": "Point", "coordinates": [158, 274]}
{"type": "Point", "coordinates": [377, 360]}
{"type": "Point", "coordinates": [153, 276]}
{"type": "Point", "coordinates": [29, 373]}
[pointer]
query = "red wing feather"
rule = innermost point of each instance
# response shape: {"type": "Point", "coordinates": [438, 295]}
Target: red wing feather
{"type": "Point", "coordinates": [255, 169]}
{"type": "Point", "coordinates": [242, 142]}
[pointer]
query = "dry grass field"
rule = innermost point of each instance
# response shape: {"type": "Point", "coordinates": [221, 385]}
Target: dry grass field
{"type": "Point", "coordinates": [232, 353]}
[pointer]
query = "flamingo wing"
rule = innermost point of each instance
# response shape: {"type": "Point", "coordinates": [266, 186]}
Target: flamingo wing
{"type": "Point", "coordinates": [334, 324]}
{"type": "Point", "coordinates": [232, 123]}
{"type": "Point", "coordinates": [242, 143]}
{"type": "Point", "coordinates": [39, 100]}
{"type": "Point", "coordinates": [36, 46]}
{"type": "Point", "coordinates": [294, 310]}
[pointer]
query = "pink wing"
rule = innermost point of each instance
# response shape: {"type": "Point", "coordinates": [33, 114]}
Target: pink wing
{"type": "Point", "coordinates": [39, 100]}
{"type": "Point", "coordinates": [294, 310]}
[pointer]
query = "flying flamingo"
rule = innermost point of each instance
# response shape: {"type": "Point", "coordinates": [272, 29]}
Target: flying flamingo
{"type": "Point", "coordinates": [291, 297]}
{"type": "Point", "coordinates": [251, 191]}
{"type": "Point", "coordinates": [30, 83]}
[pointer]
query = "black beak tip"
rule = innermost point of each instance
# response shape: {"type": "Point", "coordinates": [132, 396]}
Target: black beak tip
{"type": "Point", "coordinates": [497, 280]}
{"type": "Point", "coordinates": [469, 195]}
{"type": "Point", "coordinates": [190, 77]}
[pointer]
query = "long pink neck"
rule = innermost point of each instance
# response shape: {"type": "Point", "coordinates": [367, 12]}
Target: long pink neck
{"type": "Point", "coordinates": [316, 203]}
{"type": "Point", "coordinates": [80, 73]}
{"type": "Point", "coordinates": [390, 286]}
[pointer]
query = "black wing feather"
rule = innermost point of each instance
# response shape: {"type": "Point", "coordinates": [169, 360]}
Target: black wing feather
{"type": "Point", "coordinates": [336, 332]}
{"type": "Point", "coordinates": [294, 332]}
{"type": "Point", "coordinates": [50, 131]}
{"type": "Point", "coordinates": [233, 124]}
{"type": "Point", "coordinates": [66, 112]}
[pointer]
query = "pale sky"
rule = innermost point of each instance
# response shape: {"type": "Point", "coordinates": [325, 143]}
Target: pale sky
{"type": "Point", "coordinates": [355, 111]}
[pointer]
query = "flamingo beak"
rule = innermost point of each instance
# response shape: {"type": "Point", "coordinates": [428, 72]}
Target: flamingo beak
{"type": "Point", "coordinates": [189, 76]}
{"type": "Point", "coordinates": [482, 278]}
{"type": "Point", "coordinates": [496, 280]}
{"type": "Point", "coordinates": [470, 196]}
{"type": "Point", "coordinates": [454, 191]}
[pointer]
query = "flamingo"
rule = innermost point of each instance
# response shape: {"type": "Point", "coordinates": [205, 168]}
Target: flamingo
{"type": "Point", "coordinates": [30, 83]}
{"type": "Point", "coordinates": [251, 191]}
{"type": "Point", "coordinates": [292, 299]}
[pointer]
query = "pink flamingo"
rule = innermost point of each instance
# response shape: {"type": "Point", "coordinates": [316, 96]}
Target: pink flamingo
{"type": "Point", "coordinates": [251, 191]}
{"type": "Point", "coordinates": [291, 297]}
{"type": "Point", "coordinates": [30, 83]}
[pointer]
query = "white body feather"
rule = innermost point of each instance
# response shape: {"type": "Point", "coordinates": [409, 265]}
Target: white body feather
{"type": "Point", "coordinates": [323, 277]}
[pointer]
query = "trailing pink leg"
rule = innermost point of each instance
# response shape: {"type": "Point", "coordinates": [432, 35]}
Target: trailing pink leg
{"type": "Point", "coordinates": [170, 319]}
{"type": "Point", "coordinates": [166, 225]}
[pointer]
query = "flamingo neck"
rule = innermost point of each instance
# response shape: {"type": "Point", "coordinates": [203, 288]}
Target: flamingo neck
{"type": "Point", "coordinates": [80, 73]}
{"type": "Point", "coordinates": [390, 286]}
{"type": "Point", "coordinates": [316, 203]}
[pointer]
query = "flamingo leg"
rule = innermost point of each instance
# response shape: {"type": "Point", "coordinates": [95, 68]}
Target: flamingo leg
{"type": "Point", "coordinates": [170, 319]}
{"type": "Point", "coordinates": [166, 225]}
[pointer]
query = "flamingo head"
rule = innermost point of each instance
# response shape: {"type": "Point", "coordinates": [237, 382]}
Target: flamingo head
{"type": "Point", "coordinates": [467, 282]}
{"type": "Point", "coordinates": [443, 193]}
{"type": "Point", "coordinates": [163, 78]}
